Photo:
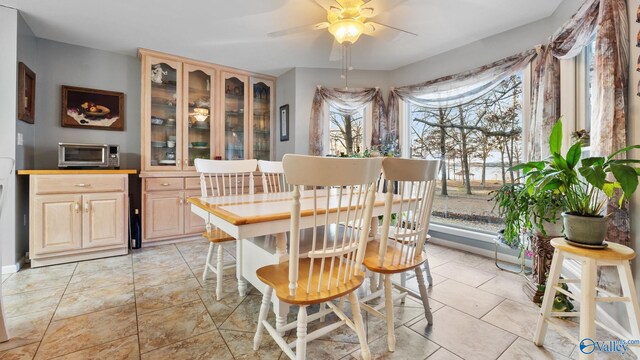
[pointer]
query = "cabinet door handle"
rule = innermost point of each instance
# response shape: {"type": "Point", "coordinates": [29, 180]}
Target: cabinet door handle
{"type": "Point", "coordinates": [165, 184]}
{"type": "Point", "coordinates": [83, 185]}
{"type": "Point", "coordinates": [186, 162]}
{"type": "Point", "coordinates": [86, 206]}
{"type": "Point", "coordinates": [181, 201]}
{"type": "Point", "coordinates": [76, 207]}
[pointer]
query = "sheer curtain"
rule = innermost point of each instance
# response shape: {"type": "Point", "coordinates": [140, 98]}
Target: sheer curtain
{"type": "Point", "coordinates": [607, 19]}
{"type": "Point", "coordinates": [454, 90]}
{"type": "Point", "coordinates": [345, 101]}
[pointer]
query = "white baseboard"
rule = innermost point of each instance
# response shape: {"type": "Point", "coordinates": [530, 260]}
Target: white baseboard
{"type": "Point", "coordinates": [10, 269]}
{"type": "Point", "coordinates": [472, 249]}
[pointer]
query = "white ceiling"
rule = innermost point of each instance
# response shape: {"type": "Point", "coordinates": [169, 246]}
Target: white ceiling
{"type": "Point", "coordinates": [233, 33]}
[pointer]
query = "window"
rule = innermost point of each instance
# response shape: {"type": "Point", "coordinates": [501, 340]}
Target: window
{"type": "Point", "coordinates": [479, 142]}
{"type": "Point", "coordinates": [349, 134]}
{"type": "Point", "coordinates": [585, 66]}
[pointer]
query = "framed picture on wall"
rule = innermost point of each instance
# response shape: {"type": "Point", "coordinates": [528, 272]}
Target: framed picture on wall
{"type": "Point", "coordinates": [26, 93]}
{"type": "Point", "coordinates": [284, 122]}
{"type": "Point", "coordinates": [92, 109]}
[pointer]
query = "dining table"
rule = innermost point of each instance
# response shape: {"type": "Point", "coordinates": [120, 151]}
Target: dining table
{"type": "Point", "coordinates": [260, 223]}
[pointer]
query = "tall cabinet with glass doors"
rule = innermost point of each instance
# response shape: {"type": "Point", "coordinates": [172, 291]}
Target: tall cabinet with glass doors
{"type": "Point", "coordinates": [194, 110]}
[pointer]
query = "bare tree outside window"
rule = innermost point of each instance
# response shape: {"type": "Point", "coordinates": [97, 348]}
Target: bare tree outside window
{"type": "Point", "coordinates": [346, 132]}
{"type": "Point", "coordinates": [477, 142]}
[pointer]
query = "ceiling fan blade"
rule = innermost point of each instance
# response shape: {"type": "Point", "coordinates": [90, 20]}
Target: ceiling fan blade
{"type": "Point", "coordinates": [336, 51]}
{"type": "Point", "coordinates": [371, 27]}
{"type": "Point", "coordinates": [373, 8]}
{"type": "Point", "coordinates": [326, 4]}
{"type": "Point", "coordinates": [299, 29]}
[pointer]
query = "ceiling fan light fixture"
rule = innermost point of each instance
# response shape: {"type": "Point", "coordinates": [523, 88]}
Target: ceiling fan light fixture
{"type": "Point", "coordinates": [346, 30]}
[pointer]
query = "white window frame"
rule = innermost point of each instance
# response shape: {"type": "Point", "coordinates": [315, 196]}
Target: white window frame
{"type": "Point", "coordinates": [366, 124]}
{"type": "Point", "coordinates": [404, 139]}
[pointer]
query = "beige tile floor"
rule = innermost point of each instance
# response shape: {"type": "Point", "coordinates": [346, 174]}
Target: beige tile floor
{"type": "Point", "coordinates": [153, 304]}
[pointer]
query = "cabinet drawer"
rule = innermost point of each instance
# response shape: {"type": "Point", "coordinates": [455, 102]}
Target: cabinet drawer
{"type": "Point", "coordinates": [164, 184]}
{"type": "Point", "coordinates": [192, 183]}
{"type": "Point", "coordinates": [72, 184]}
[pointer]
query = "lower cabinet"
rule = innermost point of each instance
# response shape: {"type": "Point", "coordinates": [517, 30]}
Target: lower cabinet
{"type": "Point", "coordinates": [58, 224]}
{"type": "Point", "coordinates": [167, 215]}
{"type": "Point", "coordinates": [77, 223]}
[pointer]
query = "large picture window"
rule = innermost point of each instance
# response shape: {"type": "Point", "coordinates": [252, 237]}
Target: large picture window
{"type": "Point", "coordinates": [478, 143]}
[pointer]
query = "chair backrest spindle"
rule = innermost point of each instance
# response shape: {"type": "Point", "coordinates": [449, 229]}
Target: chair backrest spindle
{"type": "Point", "coordinates": [343, 192]}
{"type": "Point", "coordinates": [273, 177]}
{"type": "Point", "coordinates": [414, 182]}
{"type": "Point", "coordinates": [225, 177]}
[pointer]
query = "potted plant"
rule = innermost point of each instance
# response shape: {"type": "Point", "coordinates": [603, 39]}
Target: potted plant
{"type": "Point", "coordinates": [585, 185]}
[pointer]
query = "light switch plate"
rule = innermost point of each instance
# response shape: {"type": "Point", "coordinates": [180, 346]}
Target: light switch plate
{"type": "Point", "coordinates": [20, 139]}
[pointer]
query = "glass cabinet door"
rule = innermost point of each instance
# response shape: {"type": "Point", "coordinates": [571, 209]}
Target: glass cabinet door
{"type": "Point", "coordinates": [164, 115]}
{"type": "Point", "coordinates": [235, 103]}
{"type": "Point", "coordinates": [261, 118]}
{"type": "Point", "coordinates": [198, 114]}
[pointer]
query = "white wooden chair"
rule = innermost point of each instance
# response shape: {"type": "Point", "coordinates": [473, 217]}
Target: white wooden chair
{"type": "Point", "coordinates": [273, 180]}
{"type": "Point", "coordinates": [224, 178]}
{"type": "Point", "coordinates": [401, 246]}
{"type": "Point", "coordinates": [333, 267]}
{"type": "Point", "coordinates": [6, 169]}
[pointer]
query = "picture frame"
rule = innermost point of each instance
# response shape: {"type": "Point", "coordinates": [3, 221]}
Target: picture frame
{"type": "Point", "coordinates": [284, 122]}
{"type": "Point", "coordinates": [26, 101]}
{"type": "Point", "coordinates": [92, 108]}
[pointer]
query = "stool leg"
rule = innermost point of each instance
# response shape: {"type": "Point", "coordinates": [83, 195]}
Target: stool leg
{"type": "Point", "coordinates": [588, 302]}
{"type": "Point", "coordinates": [549, 296]}
{"type": "Point", "coordinates": [629, 290]}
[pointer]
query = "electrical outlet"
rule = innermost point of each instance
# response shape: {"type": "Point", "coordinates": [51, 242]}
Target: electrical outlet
{"type": "Point", "coordinates": [20, 139]}
{"type": "Point", "coordinates": [24, 219]}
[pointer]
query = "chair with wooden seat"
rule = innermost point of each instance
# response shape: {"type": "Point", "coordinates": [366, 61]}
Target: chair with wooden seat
{"type": "Point", "coordinates": [224, 178]}
{"type": "Point", "coordinates": [273, 180]}
{"type": "Point", "coordinates": [400, 248]}
{"type": "Point", "coordinates": [332, 268]}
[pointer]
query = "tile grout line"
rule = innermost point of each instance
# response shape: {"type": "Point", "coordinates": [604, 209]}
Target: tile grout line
{"type": "Point", "coordinates": [205, 306]}
{"type": "Point", "coordinates": [55, 310]}
{"type": "Point", "coordinates": [135, 305]}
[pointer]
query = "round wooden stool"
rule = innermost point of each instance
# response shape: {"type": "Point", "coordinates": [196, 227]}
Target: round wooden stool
{"type": "Point", "coordinates": [613, 255]}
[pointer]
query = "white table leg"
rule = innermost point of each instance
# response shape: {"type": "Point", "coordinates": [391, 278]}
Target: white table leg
{"type": "Point", "coordinates": [281, 247]}
{"type": "Point", "coordinates": [242, 283]}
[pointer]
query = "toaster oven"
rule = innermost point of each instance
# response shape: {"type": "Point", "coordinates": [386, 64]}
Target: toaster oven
{"type": "Point", "coordinates": [88, 155]}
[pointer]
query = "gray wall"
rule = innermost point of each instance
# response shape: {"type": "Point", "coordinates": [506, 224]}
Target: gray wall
{"type": "Point", "coordinates": [8, 90]}
{"type": "Point", "coordinates": [63, 64]}
{"type": "Point", "coordinates": [486, 50]}
{"type": "Point", "coordinates": [285, 94]}
{"type": "Point", "coordinates": [56, 64]}
{"type": "Point", "coordinates": [25, 153]}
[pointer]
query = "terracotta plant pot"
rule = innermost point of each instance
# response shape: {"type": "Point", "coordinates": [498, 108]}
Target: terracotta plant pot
{"type": "Point", "coordinates": [589, 230]}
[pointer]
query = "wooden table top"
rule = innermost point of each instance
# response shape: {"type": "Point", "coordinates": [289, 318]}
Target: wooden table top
{"type": "Point", "coordinates": [250, 209]}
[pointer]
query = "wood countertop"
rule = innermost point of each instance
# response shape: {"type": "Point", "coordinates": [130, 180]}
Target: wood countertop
{"type": "Point", "coordinates": [78, 172]}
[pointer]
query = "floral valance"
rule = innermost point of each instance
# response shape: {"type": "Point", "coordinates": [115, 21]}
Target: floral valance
{"type": "Point", "coordinates": [345, 101]}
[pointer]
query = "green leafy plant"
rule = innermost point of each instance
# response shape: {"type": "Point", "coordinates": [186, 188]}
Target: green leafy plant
{"type": "Point", "coordinates": [523, 209]}
{"type": "Point", "coordinates": [581, 182]}
{"type": "Point", "coordinates": [513, 205]}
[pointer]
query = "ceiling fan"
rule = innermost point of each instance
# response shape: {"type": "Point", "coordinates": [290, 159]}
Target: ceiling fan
{"type": "Point", "coordinates": [346, 21]}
